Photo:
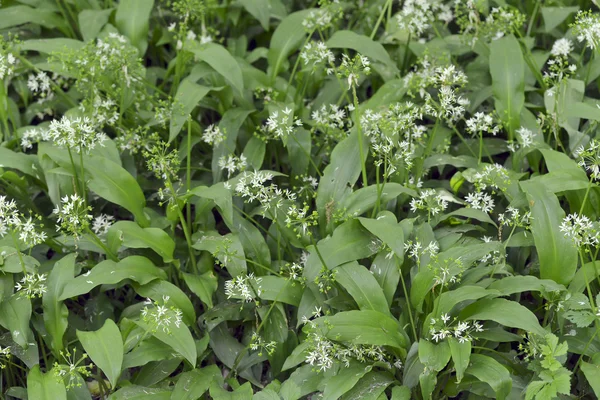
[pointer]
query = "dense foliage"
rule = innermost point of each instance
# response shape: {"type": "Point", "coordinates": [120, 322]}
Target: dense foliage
{"type": "Point", "coordinates": [285, 199]}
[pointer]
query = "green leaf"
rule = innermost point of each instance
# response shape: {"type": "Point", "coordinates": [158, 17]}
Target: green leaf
{"type": "Point", "coordinates": [137, 268]}
{"type": "Point", "coordinates": [203, 286]}
{"type": "Point", "coordinates": [255, 152]}
{"type": "Point", "coordinates": [44, 386]}
{"type": "Point", "coordinates": [434, 356]}
{"type": "Point", "coordinates": [259, 9]}
{"type": "Point", "coordinates": [592, 374]}
{"type": "Point", "coordinates": [505, 312]}
{"type": "Point", "coordinates": [288, 36]}
{"type": "Point", "coordinates": [362, 286]}
{"type": "Point", "coordinates": [243, 392]}
{"type": "Point", "coordinates": [187, 98]}
{"type": "Point", "coordinates": [15, 313]}
{"type": "Point", "coordinates": [363, 199]}
{"type": "Point", "coordinates": [48, 46]}
{"type": "Point", "coordinates": [132, 19]}
{"type": "Point", "coordinates": [554, 16]}
{"type": "Point", "coordinates": [215, 243]}
{"type": "Point", "coordinates": [221, 61]}
{"type": "Point", "coordinates": [349, 242]}
{"type": "Point", "coordinates": [91, 22]}
{"type": "Point", "coordinates": [343, 381]}
{"type": "Point", "coordinates": [55, 312]}
{"type": "Point", "coordinates": [370, 386]}
{"type": "Point", "coordinates": [363, 45]}
{"type": "Point", "coordinates": [400, 393]}
{"type": "Point", "coordinates": [366, 327]}
{"type": "Point", "coordinates": [193, 384]}
{"type": "Point", "coordinates": [275, 288]}
{"type": "Point", "coordinates": [28, 164]}
{"type": "Point", "coordinates": [113, 183]}
{"type": "Point", "coordinates": [461, 356]}
{"type": "Point", "coordinates": [508, 80]}
{"type": "Point", "coordinates": [19, 15]}
{"type": "Point", "coordinates": [135, 392]}
{"type": "Point", "coordinates": [158, 288]}
{"type": "Point", "coordinates": [490, 371]}
{"type": "Point", "coordinates": [179, 338]}
{"type": "Point", "coordinates": [149, 350]}
{"type": "Point", "coordinates": [136, 237]}
{"type": "Point", "coordinates": [390, 232]}
{"type": "Point", "coordinates": [557, 254]}
{"type": "Point", "coordinates": [105, 348]}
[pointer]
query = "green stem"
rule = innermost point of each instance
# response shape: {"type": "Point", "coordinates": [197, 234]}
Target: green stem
{"type": "Point", "coordinates": [76, 186]}
{"type": "Point", "coordinates": [186, 232]}
{"type": "Point", "coordinates": [188, 175]}
{"type": "Point", "coordinates": [585, 197]}
{"type": "Point", "coordinates": [387, 4]}
{"type": "Point", "coordinates": [408, 306]}
{"type": "Point", "coordinates": [360, 138]}
{"type": "Point", "coordinates": [14, 238]}
{"type": "Point", "coordinates": [101, 244]}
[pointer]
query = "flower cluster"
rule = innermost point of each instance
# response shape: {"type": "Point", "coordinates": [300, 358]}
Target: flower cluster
{"type": "Point", "coordinates": [39, 85]}
{"type": "Point", "coordinates": [102, 223]}
{"type": "Point", "coordinates": [581, 230]}
{"type": "Point", "coordinates": [16, 223]}
{"type": "Point", "coordinates": [513, 218]}
{"type": "Point", "coordinates": [232, 163]}
{"type": "Point", "coordinates": [250, 187]}
{"type": "Point", "coordinates": [429, 200]}
{"type": "Point", "coordinates": [589, 158]}
{"type": "Point", "coordinates": [351, 69]}
{"type": "Point", "coordinates": [323, 17]}
{"type": "Point", "coordinates": [281, 123]}
{"type": "Point", "coordinates": [5, 355]}
{"type": "Point", "coordinates": [32, 285]}
{"type": "Point", "coordinates": [75, 133]}
{"type": "Point", "coordinates": [587, 28]}
{"type": "Point", "coordinates": [480, 201]}
{"type": "Point", "coordinates": [162, 160]}
{"type": "Point", "coordinates": [8, 61]}
{"type": "Point", "coordinates": [314, 55]}
{"type": "Point", "coordinates": [416, 250]}
{"type": "Point", "coordinates": [160, 316]}
{"type": "Point", "coordinates": [257, 343]}
{"type": "Point", "coordinates": [213, 135]}
{"type": "Point", "coordinates": [494, 176]}
{"type": "Point", "coordinates": [482, 123]}
{"type": "Point", "coordinates": [72, 370]}
{"type": "Point", "coordinates": [300, 220]}
{"type": "Point", "coordinates": [446, 326]}
{"type": "Point", "coordinates": [73, 215]}
{"type": "Point", "coordinates": [417, 16]}
{"type": "Point", "coordinates": [244, 287]}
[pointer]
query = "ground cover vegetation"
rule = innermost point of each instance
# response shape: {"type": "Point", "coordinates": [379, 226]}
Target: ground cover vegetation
{"type": "Point", "coordinates": [285, 199]}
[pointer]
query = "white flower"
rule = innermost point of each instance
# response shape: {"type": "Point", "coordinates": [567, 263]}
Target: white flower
{"type": "Point", "coordinates": [581, 230]}
{"type": "Point", "coordinates": [32, 285]}
{"type": "Point", "coordinates": [232, 163]}
{"type": "Point", "coordinates": [245, 287]}
{"type": "Point", "coordinates": [72, 215]}
{"type": "Point", "coordinates": [587, 28]}
{"type": "Point", "coordinates": [562, 47]}
{"type": "Point", "coordinates": [76, 133]}
{"type": "Point", "coordinates": [525, 136]}
{"type": "Point", "coordinates": [102, 223]}
{"type": "Point", "coordinates": [480, 201]}
{"type": "Point", "coordinates": [213, 135]}
{"type": "Point", "coordinates": [482, 123]}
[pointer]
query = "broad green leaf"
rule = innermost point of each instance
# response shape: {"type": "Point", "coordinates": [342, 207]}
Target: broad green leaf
{"type": "Point", "coordinates": [149, 350]}
{"type": "Point", "coordinates": [370, 387]}
{"type": "Point", "coordinates": [105, 348]}
{"type": "Point", "coordinates": [193, 384]}
{"type": "Point", "coordinates": [221, 61]}
{"type": "Point", "coordinates": [342, 382]}
{"type": "Point", "coordinates": [592, 374]}
{"type": "Point", "coordinates": [505, 312]}
{"type": "Point", "coordinates": [243, 392]}
{"type": "Point", "coordinates": [434, 356]}
{"type": "Point", "coordinates": [132, 20]}
{"type": "Point", "coordinates": [55, 312]}
{"type": "Point", "coordinates": [28, 164]}
{"type": "Point", "coordinates": [288, 36]}
{"type": "Point", "coordinates": [390, 233]}
{"type": "Point", "coordinates": [363, 45]}
{"type": "Point", "coordinates": [19, 15]}
{"type": "Point", "coordinates": [255, 152]}
{"type": "Point", "coordinates": [349, 242]}
{"type": "Point", "coordinates": [554, 16]}
{"type": "Point", "coordinates": [187, 98]}
{"type": "Point", "coordinates": [557, 254]}
{"type": "Point", "coordinates": [400, 393]}
{"type": "Point", "coordinates": [461, 356]}
{"type": "Point", "coordinates": [42, 386]}
{"type": "Point", "coordinates": [136, 237]}
{"type": "Point", "coordinates": [366, 327]}
{"type": "Point", "coordinates": [137, 268]}
{"type": "Point", "coordinates": [91, 22]}
{"type": "Point", "coordinates": [490, 371]}
{"type": "Point", "coordinates": [113, 183]}
{"type": "Point", "coordinates": [221, 197]}
{"type": "Point", "coordinates": [259, 9]}
{"type": "Point", "coordinates": [339, 176]}
{"type": "Point", "coordinates": [135, 392]}
{"type": "Point", "coordinates": [15, 313]}
{"type": "Point", "coordinates": [179, 338]}
{"type": "Point", "coordinates": [386, 272]}
{"type": "Point", "coordinates": [48, 46]}
{"type": "Point", "coordinates": [215, 244]}
{"type": "Point", "coordinates": [362, 286]}
{"type": "Point", "coordinates": [508, 80]}
{"type": "Point", "coordinates": [364, 199]}
{"type": "Point", "coordinates": [275, 288]}
{"type": "Point", "coordinates": [203, 286]}
{"type": "Point", "coordinates": [158, 289]}
{"type": "Point", "coordinates": [519, 284]}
